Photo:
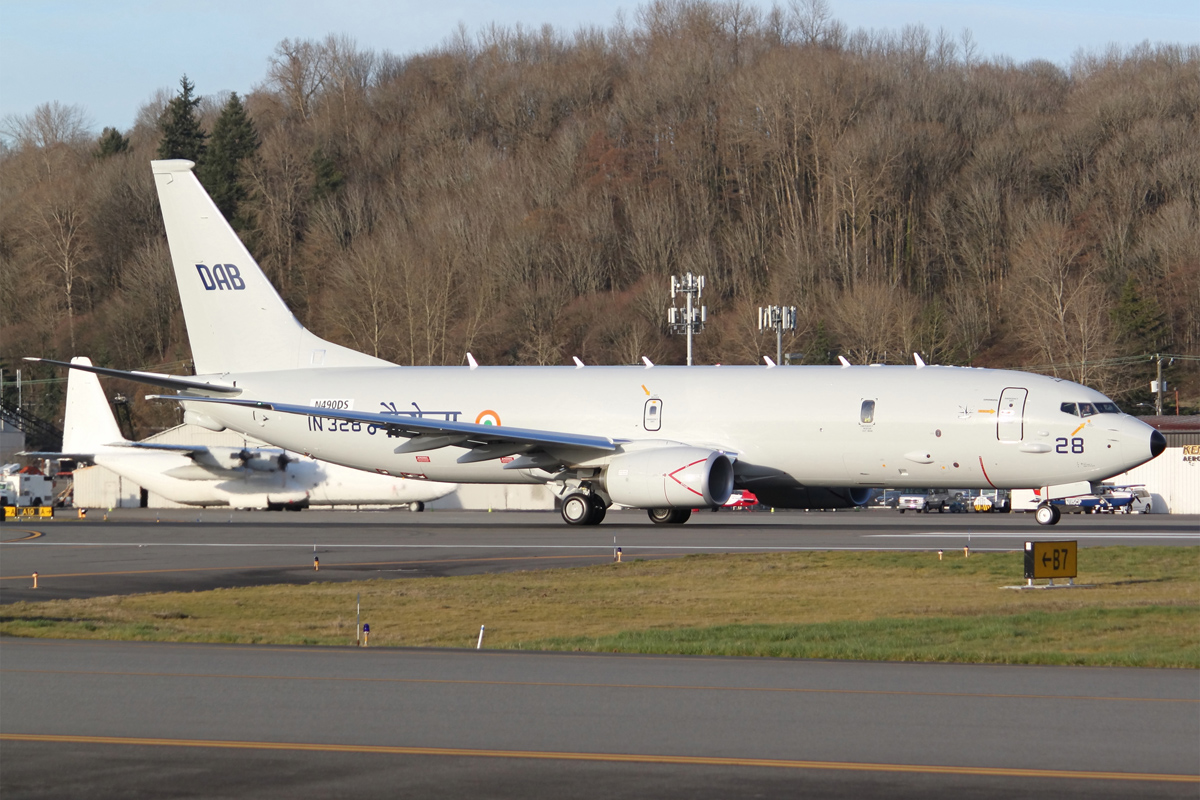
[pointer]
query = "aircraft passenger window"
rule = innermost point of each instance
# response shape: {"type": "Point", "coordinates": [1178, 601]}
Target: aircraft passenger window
{"type": "Point", "coordinates": [1069, 408]}
{"type": "Point", "coordinates": [867, 415]}
{"type": "Point", "coordinates": [1108, 408]}
{"type": "Point", "coordinates": [1086, 409]}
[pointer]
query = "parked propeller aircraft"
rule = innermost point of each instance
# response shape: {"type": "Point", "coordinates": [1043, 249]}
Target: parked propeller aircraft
{"type": "Point", "coordinates": [241, 477]}
{"type": "Point", "coordinates": [667, 439]}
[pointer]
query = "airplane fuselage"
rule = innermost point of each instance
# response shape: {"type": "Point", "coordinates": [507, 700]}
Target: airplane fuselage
{"type": "Point", "coordinates": [785, 426]}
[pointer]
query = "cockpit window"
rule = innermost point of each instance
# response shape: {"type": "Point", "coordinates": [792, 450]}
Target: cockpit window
{"type": "Point", "coordinates": [1088, 409]}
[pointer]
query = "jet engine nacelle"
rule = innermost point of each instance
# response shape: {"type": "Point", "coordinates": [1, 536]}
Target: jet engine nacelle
{"type": "Point", "coordinates": [814, 497]}
{"type": "Point", "coordinates": [669, 477]}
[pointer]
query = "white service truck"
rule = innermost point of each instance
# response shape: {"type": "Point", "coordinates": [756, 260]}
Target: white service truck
{"type": "Point", "coordinates": [24, 489]}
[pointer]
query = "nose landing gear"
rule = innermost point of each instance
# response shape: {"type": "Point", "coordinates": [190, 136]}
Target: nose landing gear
{"type": "Point", "coordinates": [1047, 514]}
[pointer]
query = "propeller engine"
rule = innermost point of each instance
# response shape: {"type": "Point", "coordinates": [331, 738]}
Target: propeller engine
{"type": "Point", "coordinates": [261, 460]}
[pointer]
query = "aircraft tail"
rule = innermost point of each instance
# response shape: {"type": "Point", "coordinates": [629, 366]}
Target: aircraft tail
{"type": "Point", "coordinates": [236, 321]}
{"type": "Point", "coordinates": [89, 426]}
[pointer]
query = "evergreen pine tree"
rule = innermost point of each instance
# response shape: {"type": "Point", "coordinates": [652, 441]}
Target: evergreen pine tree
{"type": "Point", "coordinates": [181, 133]}
{"type": "Point", "coordinates": [233, 140]}
{"type": "Point", "coordinates": [1141, 325]}
{"type": "Point", "coordinates": [110, 143]}
{"type": "Point", "coordinates": [327, 177]}
{"type": "Point", "coordinates": [822, 349]}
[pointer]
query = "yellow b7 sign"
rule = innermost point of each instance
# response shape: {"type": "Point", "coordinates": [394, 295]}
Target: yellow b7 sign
{"type": "Point", "coordinates": [1050, 559]}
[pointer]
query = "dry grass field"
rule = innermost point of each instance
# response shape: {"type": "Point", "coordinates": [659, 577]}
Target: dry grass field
{"type": "Point", "coordinates": [1144, 609]}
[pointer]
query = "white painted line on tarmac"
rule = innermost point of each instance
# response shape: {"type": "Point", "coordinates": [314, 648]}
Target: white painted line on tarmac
{"type": "Point", "coordinates": [603, 547]}
{"type": "Point", "coordinates": [1058, 534]}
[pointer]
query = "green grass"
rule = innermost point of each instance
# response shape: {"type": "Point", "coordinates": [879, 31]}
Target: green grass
{"type": "Point", "coordinates": [1144, 611]}
{"type": "Point", "coordinates": [1125, 637]}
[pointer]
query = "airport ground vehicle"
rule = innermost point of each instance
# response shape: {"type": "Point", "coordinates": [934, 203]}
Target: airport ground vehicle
{"type": "Point", "coordinates": [23, 488]}
{"type": "Point", "coordinates": [914, 501]}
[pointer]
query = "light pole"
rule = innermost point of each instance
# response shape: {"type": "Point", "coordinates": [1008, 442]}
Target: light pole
{"type": "Point", "coordinates": [689, 320]}
{"type": "Point", "coordinates": [779, 318]}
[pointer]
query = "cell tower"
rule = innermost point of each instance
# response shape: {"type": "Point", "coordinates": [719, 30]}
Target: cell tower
{"type": "Point", "coordinates": [689, 320]}
{"type": "Point", "coordinates": [780, 318]}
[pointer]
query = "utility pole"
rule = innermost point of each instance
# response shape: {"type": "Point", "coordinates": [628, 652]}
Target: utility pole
{"type": "Point", "coordinates": [689, 320]}
{"type": "Point", "coordinates": [780, 318]}
{"type": "Point", "coordinates": [1157, 387]}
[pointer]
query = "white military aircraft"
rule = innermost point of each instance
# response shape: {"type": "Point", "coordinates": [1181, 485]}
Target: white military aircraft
{"type": "Point", "coordinates": [667, 439]}
{"type": "Point", "coordinates": [240, 477]}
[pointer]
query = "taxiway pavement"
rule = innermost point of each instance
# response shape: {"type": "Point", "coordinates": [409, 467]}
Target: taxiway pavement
{"type": "Point", "coordinates": [102, 719]}
{"type": "Point", "coordinates": [107, 719]}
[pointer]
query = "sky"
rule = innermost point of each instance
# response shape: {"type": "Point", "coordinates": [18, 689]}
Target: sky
{"type": "Point", "coordinates": [110, 58]}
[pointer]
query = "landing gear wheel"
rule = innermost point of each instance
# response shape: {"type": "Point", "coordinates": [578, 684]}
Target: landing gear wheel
{"type": "Point", "coordinates": [598, 511]}
{"type": "Point", "coordinates": [577, 509]}
{"type": "Point", "coordinates": [1047, 515]}
{"type": "Point", "coordinates": [669, 516]}
{"type": "Point", "coordinates": [416, 505]}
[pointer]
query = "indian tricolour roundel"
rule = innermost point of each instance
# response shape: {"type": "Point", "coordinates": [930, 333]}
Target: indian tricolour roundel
{"type": "Point", "coordinates": [488, 417]}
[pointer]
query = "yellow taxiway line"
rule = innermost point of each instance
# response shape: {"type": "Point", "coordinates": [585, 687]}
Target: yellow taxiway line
{"type": "Point", "coordinates": [622, 758]}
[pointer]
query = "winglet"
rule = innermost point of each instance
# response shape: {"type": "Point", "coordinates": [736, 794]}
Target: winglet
{"type": "Point", "coordinates": [842, 359]}
{"type": "Point", "coordinates": [578, 363]}
{"type": "Point", "coordinates": [770, 363]}
{"type": "Point", "coordinates": [471, 361]}
{"type": "Point", "coordinates": [920, 362]}
{"type": "Point", "coordinates": [647, 362]}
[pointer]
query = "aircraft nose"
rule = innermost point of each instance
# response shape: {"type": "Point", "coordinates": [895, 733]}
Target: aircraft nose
{"type": "Point", "coordinates": [1158, 443]}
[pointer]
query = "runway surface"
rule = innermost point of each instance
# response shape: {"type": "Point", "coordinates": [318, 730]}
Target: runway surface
{"type": "Point", "coordinates": [96, 719]}
{"type": "Point", "coordinates": [143, 550]}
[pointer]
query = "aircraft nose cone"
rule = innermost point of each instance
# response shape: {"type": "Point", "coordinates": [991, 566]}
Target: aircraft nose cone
{"type": "Point", "coordinates": [1158, 443]}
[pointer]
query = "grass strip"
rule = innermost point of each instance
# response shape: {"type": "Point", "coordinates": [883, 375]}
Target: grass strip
{"type": "Point", "coordinates": [1144, 611]}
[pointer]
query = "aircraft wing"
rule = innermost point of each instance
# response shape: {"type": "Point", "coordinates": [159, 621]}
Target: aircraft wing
{"type": "Point", "coordinates": [58, 456]}
{"type": "Point", "coordinates": [483, 442]}
{"type": "Point", "coordinates": [198, 453]}
{"type": "Point", "coordinates": [177, 382]}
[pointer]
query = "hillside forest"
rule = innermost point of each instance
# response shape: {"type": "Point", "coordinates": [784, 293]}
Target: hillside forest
{"type": "Point", "coordinates": [526, 195]}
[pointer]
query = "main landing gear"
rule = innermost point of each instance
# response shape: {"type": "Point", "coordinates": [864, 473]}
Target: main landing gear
{"type": "Point", "coordinates": [669, 516]}
{"type": "Point", "coordinates": [583, 509]}
{"type": "Point", "coordinates": [1047, 514]}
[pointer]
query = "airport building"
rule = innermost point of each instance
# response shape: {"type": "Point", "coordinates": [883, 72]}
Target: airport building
{"type": "Point", "coordinates": [1173, 479]}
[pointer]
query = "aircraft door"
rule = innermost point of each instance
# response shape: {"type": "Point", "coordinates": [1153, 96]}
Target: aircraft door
{"type": "Point", "coordinates": [652, 415]}
{"type": "Point", "coordinates": [1010, 416]}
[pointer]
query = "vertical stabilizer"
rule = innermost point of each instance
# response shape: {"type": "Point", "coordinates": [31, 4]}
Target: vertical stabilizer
{"type": "Point", "coordinates": [236, 321]}
{"type": "Point", "coordinates": [89, 424]}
